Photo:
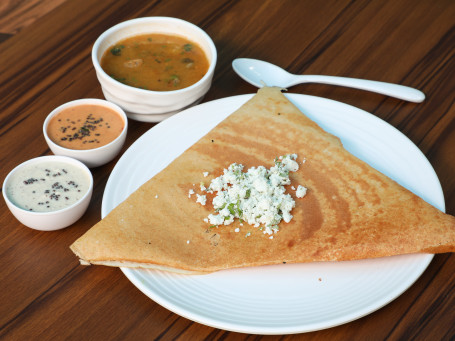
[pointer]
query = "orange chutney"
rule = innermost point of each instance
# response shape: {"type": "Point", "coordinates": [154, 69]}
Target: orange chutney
{"type": "Point", "coordinates": [157, 62]}
{"type": "Point", "coordinates": [85, 126]}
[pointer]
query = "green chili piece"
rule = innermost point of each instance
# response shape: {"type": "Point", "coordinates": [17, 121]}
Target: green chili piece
{"type": "Point", "coordinates": [188, 47]}
{"type": "Point", "coordinates": [116, 50]}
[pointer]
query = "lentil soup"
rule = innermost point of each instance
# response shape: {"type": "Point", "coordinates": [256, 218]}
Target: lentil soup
{"type": "Point", "coordinates": [85, 127]}
{"type": "Point", "coordinates": [157, 62]}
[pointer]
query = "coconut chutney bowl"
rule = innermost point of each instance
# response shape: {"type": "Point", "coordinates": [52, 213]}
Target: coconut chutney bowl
{"type": "Point", "coordinates": [90, 130]}
{"type": "Point", "coordinates": [144, 101]}
{"type": "Point", "coordinates": [48, 193]}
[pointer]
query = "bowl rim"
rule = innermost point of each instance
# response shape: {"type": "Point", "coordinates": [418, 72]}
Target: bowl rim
{"type": "Point", "coordinates": [127, 23]}
{"type": "Point", "coordinates": [82, 101]}
{"type": "Point", "coordinates": [57, 158]}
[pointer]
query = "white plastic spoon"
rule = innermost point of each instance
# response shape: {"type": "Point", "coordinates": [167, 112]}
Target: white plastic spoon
{"type": "Point", "coordinates": [260, 73]}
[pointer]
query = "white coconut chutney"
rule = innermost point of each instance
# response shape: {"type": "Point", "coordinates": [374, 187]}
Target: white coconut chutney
{"type": "Point", "coordinates": [47, 186]}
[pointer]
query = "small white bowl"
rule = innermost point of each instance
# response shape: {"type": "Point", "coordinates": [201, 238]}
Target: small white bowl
{"type": "Point", "coordinates": [146, 105]}
{"type": "Point", "coordinates": [54, 220]}
{"type": "Point", "coordinates": [91, 157]}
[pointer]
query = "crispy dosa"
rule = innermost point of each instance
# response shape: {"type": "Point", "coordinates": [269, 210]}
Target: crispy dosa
{"type": "Point", "coordinates": [351, 211]}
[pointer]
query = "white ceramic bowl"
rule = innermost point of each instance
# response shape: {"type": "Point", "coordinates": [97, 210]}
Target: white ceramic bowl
{"type": "Point", "coordinates": [145, 105]}
{"type": "Point", "coordinates": [55, 220]}
{"type": "Point", "coordinates": [91, 157]}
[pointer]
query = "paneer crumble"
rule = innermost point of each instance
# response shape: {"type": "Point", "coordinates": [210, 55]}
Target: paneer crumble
{"type": "Point", "coordinates": [257, 196]}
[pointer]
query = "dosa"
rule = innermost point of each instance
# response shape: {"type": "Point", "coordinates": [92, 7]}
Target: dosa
{"type": "Point", "coordinates": [351, 211]}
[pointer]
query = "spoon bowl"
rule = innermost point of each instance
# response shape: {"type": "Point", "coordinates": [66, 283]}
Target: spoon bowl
{"type": "Point", "coordinates": [260, 73]}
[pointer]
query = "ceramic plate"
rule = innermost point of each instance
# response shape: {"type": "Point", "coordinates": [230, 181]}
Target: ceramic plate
{"type": "Point", "coordinates": [289, 298]}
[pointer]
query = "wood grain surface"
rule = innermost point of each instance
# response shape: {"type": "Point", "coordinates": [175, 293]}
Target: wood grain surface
{"type": "Point", "coordinates": [45, 61]}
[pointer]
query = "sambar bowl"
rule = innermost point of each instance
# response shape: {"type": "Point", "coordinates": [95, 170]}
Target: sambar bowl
{"type": "Point", "coordinates": [148, 105]}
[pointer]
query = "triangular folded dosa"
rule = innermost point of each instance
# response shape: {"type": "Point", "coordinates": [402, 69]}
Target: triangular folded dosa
{"type": "Point", "coordinates": [351, 211]}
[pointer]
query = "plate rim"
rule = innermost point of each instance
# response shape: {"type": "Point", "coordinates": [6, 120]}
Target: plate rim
{"type": "Point", "coordinates": [133, 277]}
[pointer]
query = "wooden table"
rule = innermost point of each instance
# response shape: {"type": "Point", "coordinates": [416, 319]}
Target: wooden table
{"type": "Point", "coordinates": [45, 61]}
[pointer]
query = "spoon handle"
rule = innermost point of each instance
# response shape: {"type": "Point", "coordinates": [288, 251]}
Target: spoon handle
{"type": "Point", "coordinates": [394, 90]}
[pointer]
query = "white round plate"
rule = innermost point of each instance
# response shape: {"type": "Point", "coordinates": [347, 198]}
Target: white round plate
{"type": "Point", "coordinates": [290, 298]}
